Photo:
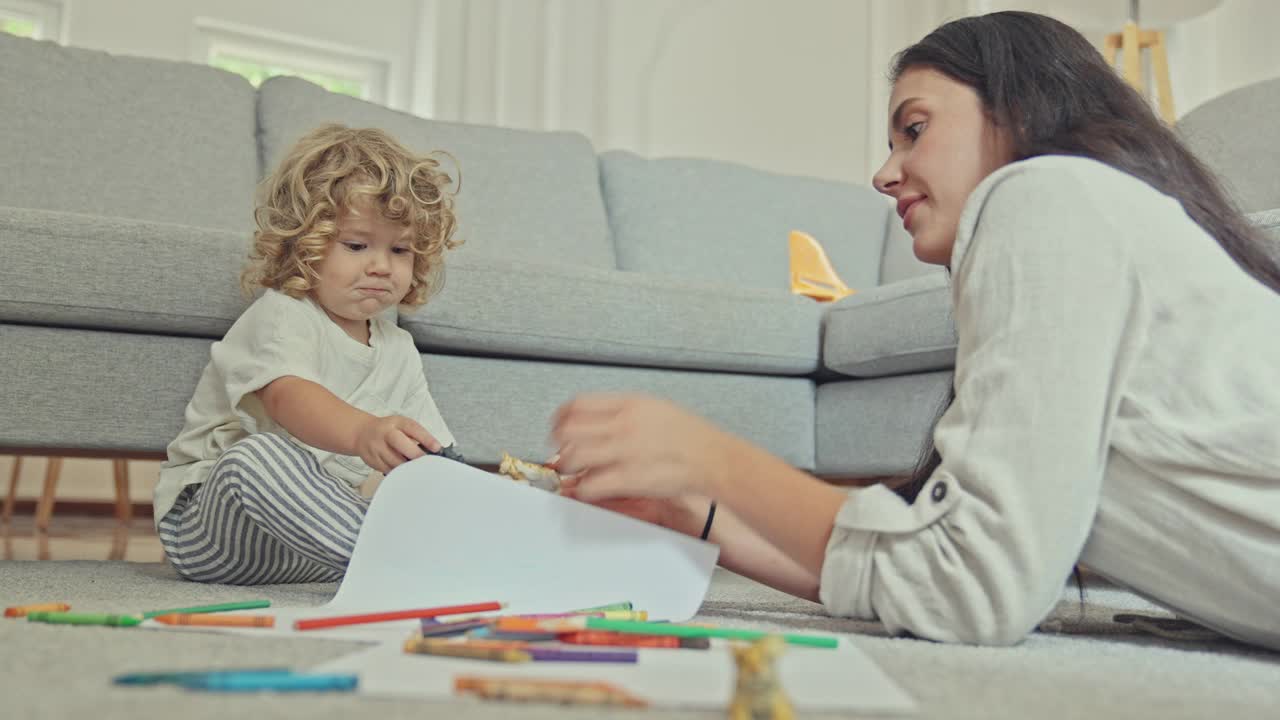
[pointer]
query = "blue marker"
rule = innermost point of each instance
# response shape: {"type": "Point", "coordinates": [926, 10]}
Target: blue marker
{"type": "Point", "coordinates": [275, 682]}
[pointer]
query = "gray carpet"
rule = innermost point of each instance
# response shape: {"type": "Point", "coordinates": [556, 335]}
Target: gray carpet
{"type": "Point", "coordinates": [1087, 667]}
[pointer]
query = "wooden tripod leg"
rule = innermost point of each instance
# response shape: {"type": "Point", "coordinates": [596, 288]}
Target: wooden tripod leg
{"type": "Point", "coordinates": [1111, 46]}
{"type": "Point", "coordinates": [13, 489]}
{"type": "Point", "coordinates": [1131, 48]}
{"type": "Point", "coordinates": [44, 508]}
{"type": "Point", "coordinates": [1160, 68]}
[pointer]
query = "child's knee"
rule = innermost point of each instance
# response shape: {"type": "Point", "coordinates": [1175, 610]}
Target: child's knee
{"type": "Point", "coordinates": [256, 453]}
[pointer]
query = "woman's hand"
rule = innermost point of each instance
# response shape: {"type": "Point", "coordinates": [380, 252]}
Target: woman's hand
{"type": "Point", "coordinates": [636, 446]}
{"type": "Point", "coordinates": [386, 442]}
{"type": "Point", "coordinates": [685, 514]}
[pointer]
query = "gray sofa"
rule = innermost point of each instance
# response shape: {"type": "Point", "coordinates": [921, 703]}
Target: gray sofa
{"type": "Point", "coordinates": [125, 213]}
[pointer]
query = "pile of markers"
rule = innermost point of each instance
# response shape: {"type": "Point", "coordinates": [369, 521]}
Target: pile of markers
{"type": "Point", "coordinates": [605, 634]}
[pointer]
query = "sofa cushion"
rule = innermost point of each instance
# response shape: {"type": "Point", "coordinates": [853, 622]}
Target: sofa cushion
{"type": "Point", "coordinates": [524, 194]}
{"type": "Point", "coordinates": [899, 261]}
{"type": "Point", "coordinates": [512, 308]}
{"type": "Point", "coordinates": [879, 426]}
{"type": "Point", "coordinates": [1269, 222]}
{"type": "Point", "coordinates": [88, 132]}
{"type": "Point", "coordinates": [901, 327]}
{"type": "Point", "coordinates": [88, 271]}
{"type": "Point", "coordinates": [1224, 133]}
{"type": "Point", "coordinates": [127, 391]}
{"type": "Point", "coordinates": [712, 221]}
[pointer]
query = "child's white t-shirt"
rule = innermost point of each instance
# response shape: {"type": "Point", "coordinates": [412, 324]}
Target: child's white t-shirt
{"type": "Point", "coordinates": [278, 336]}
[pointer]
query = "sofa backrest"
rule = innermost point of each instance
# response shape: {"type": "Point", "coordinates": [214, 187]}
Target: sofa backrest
{"type": "Point", "coordinates": [1234, 135]}
{"type": "Point", "coordinates": [721, 222]}
{"type": "Point", "coordinates": [524, 194]}
{"type": "Point", "coordinates": [88, 132]}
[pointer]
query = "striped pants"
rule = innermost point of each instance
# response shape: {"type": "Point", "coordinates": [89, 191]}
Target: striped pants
{"type": "Point", "coordinates": [267, 514]}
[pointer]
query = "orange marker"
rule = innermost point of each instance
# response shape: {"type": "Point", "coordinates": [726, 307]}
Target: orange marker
{"type": "Point", "coordinates": [218, 620]}
{"type": "Point", "coordinates": [377, 617]}
{"type": "Point", "coordinates": [528, 625]}
{"type": "Point", "coordinates": [21, 610]}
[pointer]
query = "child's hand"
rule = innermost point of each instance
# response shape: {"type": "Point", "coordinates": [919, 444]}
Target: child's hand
{"type": "Point", "coordinates": [386, 442]}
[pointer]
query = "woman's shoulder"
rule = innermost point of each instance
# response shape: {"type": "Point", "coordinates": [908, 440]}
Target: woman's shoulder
{"type": "Point", "coordinates": [1062, 180]}
{"type": "Point", "coordinates": [1056, 191]}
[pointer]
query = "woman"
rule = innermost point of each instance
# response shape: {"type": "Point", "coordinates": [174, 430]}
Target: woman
{"type": "Point", "coordinates": [1115, 397]}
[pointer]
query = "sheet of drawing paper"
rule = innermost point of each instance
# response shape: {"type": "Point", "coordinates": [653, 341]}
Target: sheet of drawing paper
{"type": "Point", "coordinates": [442, 533]}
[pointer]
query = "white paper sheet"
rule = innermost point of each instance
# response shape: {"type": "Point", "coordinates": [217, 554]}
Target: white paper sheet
{"type": "Point", "coordinates": [442, 533]}
{"type": "Point", "coordinates": [842, 679]}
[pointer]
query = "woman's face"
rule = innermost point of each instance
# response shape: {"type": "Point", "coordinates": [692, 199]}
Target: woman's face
{"type": "Point", "coordinates": [942, 144]}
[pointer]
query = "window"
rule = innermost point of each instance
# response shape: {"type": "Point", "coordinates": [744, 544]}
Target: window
{"type": "Point", "coordinates": [255, 72]}
{"type": "Point", "coordinates": [22, 27]}
{"type": "Point", "coordinates": [258, 54]}
{"type": "Point", "coordinates": [36, 19]}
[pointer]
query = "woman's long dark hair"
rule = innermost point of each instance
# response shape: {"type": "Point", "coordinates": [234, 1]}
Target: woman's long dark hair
{"type": "Point", "coordinates": [1055, 94]}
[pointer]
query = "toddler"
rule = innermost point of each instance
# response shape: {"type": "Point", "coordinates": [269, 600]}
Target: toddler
{"type": "Point", "coordinates": [313, 387]}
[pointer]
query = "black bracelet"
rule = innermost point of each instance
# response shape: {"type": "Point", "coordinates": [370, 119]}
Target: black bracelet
{"type": "Point", "coordinates": [711, 515]}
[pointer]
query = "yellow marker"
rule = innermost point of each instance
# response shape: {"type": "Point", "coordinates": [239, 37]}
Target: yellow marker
{"type": "Point", "coordinates": [640, 615]}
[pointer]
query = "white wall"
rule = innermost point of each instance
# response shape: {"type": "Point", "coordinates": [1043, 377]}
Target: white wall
{"type": "Point", "coordinates": [794, 87]}
{"type": "Point", "coordinates": [1234, 45]}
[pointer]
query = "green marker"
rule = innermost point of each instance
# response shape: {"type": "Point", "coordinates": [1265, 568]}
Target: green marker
{"type": "Point", "coordinates": [606, 608]}
{"type": "Point", "coordinates": [693, 631]}
{"type": "Point", "coordinates": [66, 618]}
{"type": "Point", "coordinates": [222, 607]}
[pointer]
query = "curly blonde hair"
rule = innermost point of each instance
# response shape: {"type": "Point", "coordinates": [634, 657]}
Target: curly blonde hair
{"type": "Point", "coordinates": [330, 169]}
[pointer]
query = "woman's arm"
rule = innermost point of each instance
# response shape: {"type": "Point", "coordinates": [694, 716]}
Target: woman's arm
{"type": "Point", "coordinates": [779, 519]}
{"type": "Point", "coordinates": [742, 550]}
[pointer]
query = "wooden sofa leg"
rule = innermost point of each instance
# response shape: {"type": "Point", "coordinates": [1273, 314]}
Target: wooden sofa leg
{"type": "Point", "coordinates": [124, 507]}
{"type": "Point", "coordinates": [13, 490]}
{"type": "Point", "coordinates": [44, 509]}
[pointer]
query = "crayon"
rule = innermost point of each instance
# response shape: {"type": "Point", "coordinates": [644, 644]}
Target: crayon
{"type": "Point", "coordinates": [18, 611]}
{"type": "Point", "coordinates": [545, 654]}
{"type": "Point", "coordinates": [606, 608]}
{"type": "Point", "coordinates": [66, 618]}
{"type": "Point", "coordinates": [216, 620]}
{"type": "Point", "coordinates": [157, 678]}
{"type": "Point", "coordinates": [607, 614]}
{"type": "Point", "coordinates": [524, 690]}
{"type": "Point", "coordinates": [434, 628]}
{"type": "Point", "coordinates": [601, 637]}
{"type": "Point", "coordinates": [672, 629]}
{"type": "Point", "coordinates": [432, 646]}
{"type": "Point", "coordinates": [277, 682]}
{"type": "Point", "coordinates": [488, 631]}
{"type": "Point", "coordinates": [342, 620]}
{"type": "Point", "coordinates": [220, 607]}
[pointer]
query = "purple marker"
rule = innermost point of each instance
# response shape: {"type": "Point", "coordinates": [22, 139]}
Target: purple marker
{"type": "Point", "coordinates": [558, 655]}
{"type": "Point", "coordinates": [444, 629]}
